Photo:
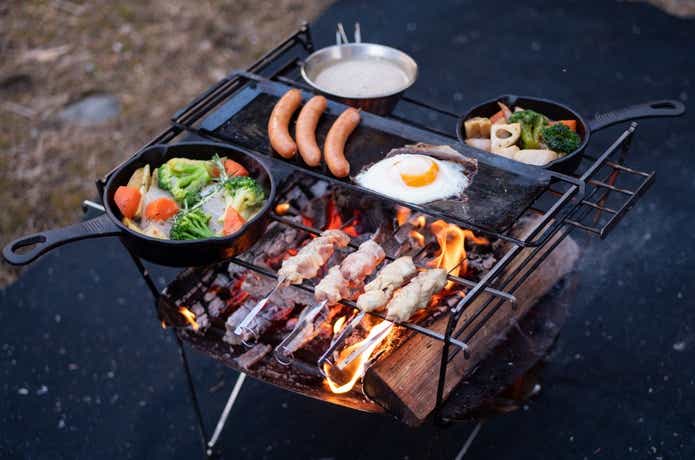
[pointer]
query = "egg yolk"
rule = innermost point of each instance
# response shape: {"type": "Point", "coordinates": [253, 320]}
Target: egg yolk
{"type": "Point", "coordinates": [423, 178]}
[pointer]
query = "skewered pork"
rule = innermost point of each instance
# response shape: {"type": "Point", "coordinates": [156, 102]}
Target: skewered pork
{"type": "Point", "coordinates": [307, 262]}
{"type": "Point", "coordinates": [378, 291]}
{"type": "Point", "coordinates": [416, 294]}
{"type": "Point", "coordinates": [332, 287]}
{"type": "Point", "coordinates": [356, 266]}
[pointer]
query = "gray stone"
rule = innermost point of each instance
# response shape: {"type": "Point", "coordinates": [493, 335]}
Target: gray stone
{"type": "Point", "coordinates": [94, 109]}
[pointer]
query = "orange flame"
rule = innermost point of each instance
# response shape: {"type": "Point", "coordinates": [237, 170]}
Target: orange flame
{"type": "Point", "coordinates": [335, 221]}
{"type": "Point", "coordinates": [164, 325]}
{"type": "Point", "coordinates": [420, 222]}
{"type": "Point", "coordinates": [190, 317]}
{"type": "Point", "coordinates": [452, 242]}
{"type": "Point", "coordinates": [282, 208]}
{"type": "Point", "coordinates": [355, 370]}
{"type": "Point", "coordinates": [418, 237]}
{"type": "Point", "coordinates": [402, 214]}
{"type": "Point", "coordinates": [338, 325]}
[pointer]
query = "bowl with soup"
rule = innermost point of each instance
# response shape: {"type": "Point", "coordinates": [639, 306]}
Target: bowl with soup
{"type": "Point", "coordinates": [364, 75]}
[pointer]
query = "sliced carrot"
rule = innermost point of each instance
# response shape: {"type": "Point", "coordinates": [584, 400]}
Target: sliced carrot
{"type": "Point", "coordinates": [128, 200]}
{"type": "Point", "coordinates": [571, 124]}
{"type": "Point", "coordinates": [161, 209]}
{"type": "Point", "coordinates": [498, 116]}
{"type": "Point", "coordinates": [235, 169]}
{"type": "Point", "coordinates": [233, 221]}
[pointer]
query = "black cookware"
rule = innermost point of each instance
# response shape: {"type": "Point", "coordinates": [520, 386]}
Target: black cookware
{"type": "Point", "coordinates": [165, 252]}
{"type": "Point", "coordinates": [556, 111]}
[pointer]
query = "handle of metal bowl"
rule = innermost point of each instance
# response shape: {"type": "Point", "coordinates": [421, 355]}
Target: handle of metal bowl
{"type": "Point", "coordinates": [662, 108]}
{"type": "Point", "coordinates": [42, 242]}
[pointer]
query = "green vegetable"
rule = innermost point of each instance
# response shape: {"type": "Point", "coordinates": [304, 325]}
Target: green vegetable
{"type": "Point", "coordinates": [243, 194]}
{"type": "Point", "coordinates": [560, 138]}
{"type": "Point", "coordinates": [531, 125]}
{"type": "Point", "coordinates": [191, 225]}
{"type": "Point", "coordinates": [184, 178]}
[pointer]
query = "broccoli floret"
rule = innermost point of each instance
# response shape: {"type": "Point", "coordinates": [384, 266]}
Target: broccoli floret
{"type": "Point", "coordinates": [191, 225]}
{"type": "Point", "coordinates": [184, 178]}
{"type": "Point", "coordinates": [531, 125]}
{"type": "Point", "coordinates": [244, 194]}
{"type": "Point", "coordinates": [560, 138]}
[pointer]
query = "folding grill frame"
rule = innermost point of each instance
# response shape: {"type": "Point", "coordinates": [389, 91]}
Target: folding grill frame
{"type": "Point", "coordinates": [592, 201]}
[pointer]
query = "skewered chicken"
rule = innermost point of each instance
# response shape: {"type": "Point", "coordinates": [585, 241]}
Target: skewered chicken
{"type": "Point", "coordinates": [416, 294]}
{"type": "Point", "coordinates": [356, 266]}
{"type": "Point", "coordinates": [307, 262]}
{"type": "Point", "coordinates": [332, 287]}
{"type": "Point", "coordinates": [378, 291]}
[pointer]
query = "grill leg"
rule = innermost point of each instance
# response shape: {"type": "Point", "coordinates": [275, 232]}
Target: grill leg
{"type": "Point", "coordinates": [182, 352]}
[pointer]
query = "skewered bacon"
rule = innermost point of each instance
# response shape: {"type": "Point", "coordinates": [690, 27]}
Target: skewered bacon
{"type": "Point", "coordinates": [356, 266]}
{"type": "Point", "coordinates": [416, 294]}
{"type": "Point", "coordinates": [378, 291]}
{"type": "Point", "coordinates": [307, 262]}
{"type": "Point", "coordinates": [332, 287]}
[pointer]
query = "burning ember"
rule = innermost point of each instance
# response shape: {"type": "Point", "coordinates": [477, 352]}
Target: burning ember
{"type": "Point", "coordinates": [355, 370]}
{"type": "Point", "coordinates": [282, 209]}
{"type": "Point", "coordinates": [190, 317]}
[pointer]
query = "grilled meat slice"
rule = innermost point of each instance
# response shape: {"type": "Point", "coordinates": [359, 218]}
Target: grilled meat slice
{"type": "Point", "coordinates": [416, 294]}
{"type": "Point", "coordinates": [378, 291]}
{"type": "Point", "coordinates": [356, 266]}
{"type": "Point", "coordinates": [307, 262]}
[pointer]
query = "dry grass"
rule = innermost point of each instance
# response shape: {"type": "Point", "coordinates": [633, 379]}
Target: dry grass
{"type": "Point", "coordinates": [154, 58]}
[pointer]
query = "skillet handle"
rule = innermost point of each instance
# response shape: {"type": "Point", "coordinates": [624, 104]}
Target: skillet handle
{"type": "Point", "coordinates": [663, 108]}
{"type": "Point", "coordinates": [45, 241]}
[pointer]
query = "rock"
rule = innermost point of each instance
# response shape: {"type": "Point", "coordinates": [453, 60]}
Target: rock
{"type": "Point", "coordinates": [94, 109]}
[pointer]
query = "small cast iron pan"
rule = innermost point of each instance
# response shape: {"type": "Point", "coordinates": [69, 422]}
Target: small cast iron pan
{"type": "Point", "coordinates": [556, 111]}
{"type": "Point", "coordinates": [163, 252]}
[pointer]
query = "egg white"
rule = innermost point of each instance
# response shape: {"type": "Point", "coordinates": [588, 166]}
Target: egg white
{"type": "Point", "coordinates": [385, 177]}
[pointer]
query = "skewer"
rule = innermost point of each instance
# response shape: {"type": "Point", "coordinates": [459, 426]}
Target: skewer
{"type": "Point", "coordinates": [336, 341]}
{"type": "Point", "coordinates": [365, 345]}
{"type": "Point", "coordinates": [282, 353]}
{"type": "Point", "coordinates": [343, 35]}
{"type": "Point", "coordinates": [244, 325]}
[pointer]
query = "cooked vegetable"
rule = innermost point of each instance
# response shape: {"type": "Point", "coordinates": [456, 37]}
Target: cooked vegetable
{"type": "Point", "coordinates": [141, 181]}
{"type": "Point", "coordinates": [508, 152]}
{"type": "Point", "coordinates": [243, 194]}
{"type": "Point", "coordinates": [234, 169]}
{"type": "Point", "coordinates": [498, 118]}
{"type": "Point", "coordinates": [478, 127]}
{"type": "Point", "coordinates": [161, 209]}
{"type": "Point", "coordinates": [504, 135]}
{"type": "Point", "coordinates": [184, 178]}
{"type": "Point", "coordinates": [560, 138]}
{"type": "Point", "coordinates": [233, 221]}
{"type": "Point", "coordinates": [191, 225]}
{"type": "Point", "coordinates": [128, 200]}
{"type": "Point", "coordinates": [154, 232]}
{"type": "Point", "coordinates": [538, 157]}
{"type": "Point", "coordinates": [531, 126]}
{"type": "Point", "coordinates": [571, 124]}
{"type": "Point", "coordinates": [482, 144]}
{"type": "Point", "coordinates": [131, 224]}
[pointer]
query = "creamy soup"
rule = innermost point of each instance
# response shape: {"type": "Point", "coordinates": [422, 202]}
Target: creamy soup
{"type": "Point", "coordinates": [362, 77]}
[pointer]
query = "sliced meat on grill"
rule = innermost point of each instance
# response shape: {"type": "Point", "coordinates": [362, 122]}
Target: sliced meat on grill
{"type": "Point", "coordinates": [378, 291]}
{"type": "Point", "coordinates": [332, 287]}
{"type": "Point", "coordinates": [416, 294]}
{"type": "Point", "coordinates": [357, 265]}
{"type": "Point", "coordinates": [309, 260]}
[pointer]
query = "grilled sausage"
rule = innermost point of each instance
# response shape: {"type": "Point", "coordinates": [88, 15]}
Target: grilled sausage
{"type": "Point", "coordinates": [334, 148]}
{"type": "Point", "coordinates": [279, 123]}
{"type": "Point", "coordinates": [306, 130]}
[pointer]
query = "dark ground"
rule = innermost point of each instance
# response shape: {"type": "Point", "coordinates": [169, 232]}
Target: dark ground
{"type": "Point", "coordinates": [87, 372]}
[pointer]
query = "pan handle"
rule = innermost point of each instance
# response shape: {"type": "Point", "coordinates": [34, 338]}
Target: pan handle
{"type": "Point", "coordinates": [45, 241]}
{"type": "Point", "coordinates": [663, 108]}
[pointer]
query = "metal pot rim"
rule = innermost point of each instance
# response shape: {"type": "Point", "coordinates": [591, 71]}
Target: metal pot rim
{"type": "Point", "coordinates": [401, 55]}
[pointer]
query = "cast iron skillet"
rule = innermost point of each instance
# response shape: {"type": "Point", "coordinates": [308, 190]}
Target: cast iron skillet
{"type": "Point", "coordinates": [164, 252]}
{"type": "Point", "coordinates": [556, 111]}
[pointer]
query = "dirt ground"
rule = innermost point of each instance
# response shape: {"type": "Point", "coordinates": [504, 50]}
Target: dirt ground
{"type": "Point", "coordinates": [152, 58]}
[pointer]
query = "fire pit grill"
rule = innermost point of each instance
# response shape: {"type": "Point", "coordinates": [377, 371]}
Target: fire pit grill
{"type": "Point", "coordinates": [593, 201]}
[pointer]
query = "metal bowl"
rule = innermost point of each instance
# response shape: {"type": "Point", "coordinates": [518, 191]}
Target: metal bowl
{"type": "Point", "coordinates": [380, 104]}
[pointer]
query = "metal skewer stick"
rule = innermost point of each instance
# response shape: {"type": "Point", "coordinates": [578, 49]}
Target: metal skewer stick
{"type": "Point", "coordinates": [335, 343]}
{"type": "Point", "coordinates": [343, 35]}
{"type": "Point", "coordinates": [282, 354]}
{"type": "Point", "coordinates": [244, 325]}
{"type": "Point", "coordinates": [342, 364]}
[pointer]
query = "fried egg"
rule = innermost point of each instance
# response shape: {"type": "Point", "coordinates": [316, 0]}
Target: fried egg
{"type": "Point", "coordinates": [414, 178]}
